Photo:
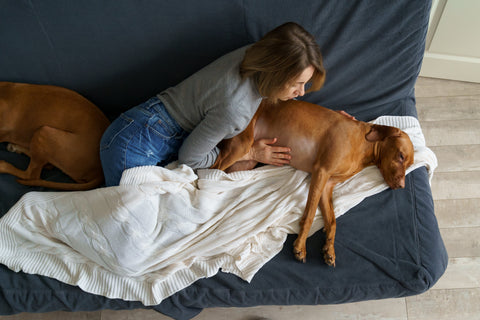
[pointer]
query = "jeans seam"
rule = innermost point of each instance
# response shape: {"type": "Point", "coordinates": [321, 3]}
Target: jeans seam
{"type": "Point", "coordinates": [130, 122]}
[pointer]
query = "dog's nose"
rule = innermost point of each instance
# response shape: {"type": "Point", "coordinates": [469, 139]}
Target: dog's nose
{"type": "Point", "coordinates": [399, 183]}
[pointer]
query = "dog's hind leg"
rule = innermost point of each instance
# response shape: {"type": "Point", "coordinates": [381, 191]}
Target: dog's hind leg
{"type": "Point", "coordinates": [48, 146]}
{"type": "Point", "coordinates": [54, 146]}
{"type": "Point", "coordinates": [37, 160]}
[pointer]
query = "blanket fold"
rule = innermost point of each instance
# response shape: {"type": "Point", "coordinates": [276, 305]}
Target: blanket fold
{"type": "Point", "coordinates": [162, 229]}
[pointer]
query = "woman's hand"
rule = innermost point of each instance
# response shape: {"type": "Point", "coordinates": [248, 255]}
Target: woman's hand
{"type": "Point", "coordinates": [263, 151]}
{"type": "Point", "coordinates": [346, 114]}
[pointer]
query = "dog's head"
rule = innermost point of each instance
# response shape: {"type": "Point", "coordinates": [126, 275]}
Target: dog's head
{"type": "Point", "coordinates": [393, 153]}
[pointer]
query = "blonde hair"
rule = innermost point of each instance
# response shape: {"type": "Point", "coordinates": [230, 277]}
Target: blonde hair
{"type": "Point", "coordinates": [279, 57]}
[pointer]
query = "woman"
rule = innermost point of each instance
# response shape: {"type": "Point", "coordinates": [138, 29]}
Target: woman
{"type": "Point", "coordinates": [186, 122]}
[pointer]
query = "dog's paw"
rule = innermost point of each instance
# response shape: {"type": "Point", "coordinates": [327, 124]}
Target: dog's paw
{"type": "Point", "coordinates": [300, 251]}
{"type": "Point", "coordinates": [329, 255]}
{"type": "Point", "coordinates": [300, 255]}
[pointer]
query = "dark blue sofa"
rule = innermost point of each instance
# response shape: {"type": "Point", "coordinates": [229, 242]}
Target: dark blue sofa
{"type": "Point", "coordinates": [118, 53]}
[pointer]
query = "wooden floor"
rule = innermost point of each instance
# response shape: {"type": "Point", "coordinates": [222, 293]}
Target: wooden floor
{"type": "Point", "coordinates": [449, 112]}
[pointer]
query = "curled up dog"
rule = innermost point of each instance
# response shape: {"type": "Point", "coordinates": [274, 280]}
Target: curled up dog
{"type": "Point", "coordinates": [53, 126]}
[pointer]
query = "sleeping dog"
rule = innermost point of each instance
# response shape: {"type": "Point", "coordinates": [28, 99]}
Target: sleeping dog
{"type": "Point", "coordinates": [326, 144]}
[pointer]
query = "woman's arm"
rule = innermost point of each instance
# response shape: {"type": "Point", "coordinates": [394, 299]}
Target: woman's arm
{"type": "Point", "coordinates": [199, 150]}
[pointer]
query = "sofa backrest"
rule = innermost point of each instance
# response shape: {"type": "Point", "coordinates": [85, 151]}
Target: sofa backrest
{"type": "Point", "coordinates": [118, 53]}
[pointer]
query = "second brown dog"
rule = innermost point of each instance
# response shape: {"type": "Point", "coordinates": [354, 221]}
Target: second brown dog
{"type": "Point", "coordinates": [328, 145]}
{"type": "Point", "coordinates": [53, 126]}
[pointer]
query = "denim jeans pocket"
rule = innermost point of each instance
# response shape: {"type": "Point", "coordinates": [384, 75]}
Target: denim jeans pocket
{"type": "Point", "coordinates": [164, 130]}
{"type": "Point", "coordinates": [116, 128]}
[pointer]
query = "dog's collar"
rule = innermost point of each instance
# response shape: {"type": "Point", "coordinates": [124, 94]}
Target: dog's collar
{"type": "Point", "coordinates": [376, 152]}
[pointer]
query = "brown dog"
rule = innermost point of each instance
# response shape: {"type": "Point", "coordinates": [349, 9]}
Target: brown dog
{"type": "Point", "coordinates": [330, 146]}
{"type": "Point", "coordinates": [52, 125]}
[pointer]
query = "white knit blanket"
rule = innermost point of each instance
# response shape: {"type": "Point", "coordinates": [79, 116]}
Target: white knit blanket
{"type": "Point", "coordinates": [161, 230]}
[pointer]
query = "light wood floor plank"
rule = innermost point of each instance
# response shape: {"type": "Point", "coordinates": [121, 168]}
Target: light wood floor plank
{"type": "Point", "coordinates": [457, 158]}
{"type": "Point", "coordinates": [440, 109]}
{"type": "Point", "coordinates": [456, 185]}
{"type": "Point", "coordinates": [462, 242]}
{"type": "Point", "coordinates": [458, 213]}
{"type": "Point", "coordinates": [445, 305]}
{"type": "Point", "coordinates": [461, 273]}
{"type": "Point", "coordinates": [455, 132]}
{"type": "Point", "coordinates": [429, 87]}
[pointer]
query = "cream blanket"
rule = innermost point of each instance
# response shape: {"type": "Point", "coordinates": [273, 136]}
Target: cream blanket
{"type": "Point", "coordinates": [161, 230]}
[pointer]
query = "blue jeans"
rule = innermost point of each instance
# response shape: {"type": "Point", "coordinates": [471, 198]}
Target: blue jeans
{"type": "Point", "coordinates": [144, 135]}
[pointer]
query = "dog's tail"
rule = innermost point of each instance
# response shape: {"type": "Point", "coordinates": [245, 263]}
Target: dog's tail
{"type": "Point", "coordinates": [65, 186]}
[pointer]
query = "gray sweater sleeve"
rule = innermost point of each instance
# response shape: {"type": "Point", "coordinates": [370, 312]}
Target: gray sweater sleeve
{"type": "Point", "coordinates": [199, 150]}
{"type": "Point", "coordinates": [213, 104]}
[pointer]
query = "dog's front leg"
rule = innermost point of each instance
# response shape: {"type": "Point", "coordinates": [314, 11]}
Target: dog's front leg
{"type": "Point", "coordinates": [317, 184]}
{"type": "Point", "coordinates": [330, 224]}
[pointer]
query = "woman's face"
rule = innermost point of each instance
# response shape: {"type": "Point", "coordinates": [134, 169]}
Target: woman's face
{"type": "Point", "coordinates": [296, 87]}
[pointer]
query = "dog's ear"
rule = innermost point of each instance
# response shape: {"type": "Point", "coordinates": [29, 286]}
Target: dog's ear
{"type": "Point", "coordinates": [378, 132]}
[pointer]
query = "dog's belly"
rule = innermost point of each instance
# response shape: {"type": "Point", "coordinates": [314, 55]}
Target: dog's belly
{"type": "Point", "coordinates": [303, 151]}
{"type": "Point", "coordinates": [303, 148]}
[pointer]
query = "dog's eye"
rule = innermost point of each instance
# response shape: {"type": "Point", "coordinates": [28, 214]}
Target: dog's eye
{"type": "Point", "coordinates": [401, 157]}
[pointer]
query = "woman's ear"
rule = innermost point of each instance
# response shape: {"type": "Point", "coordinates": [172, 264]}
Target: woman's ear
{"type": "Point", "coordinates": [378, 132]}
